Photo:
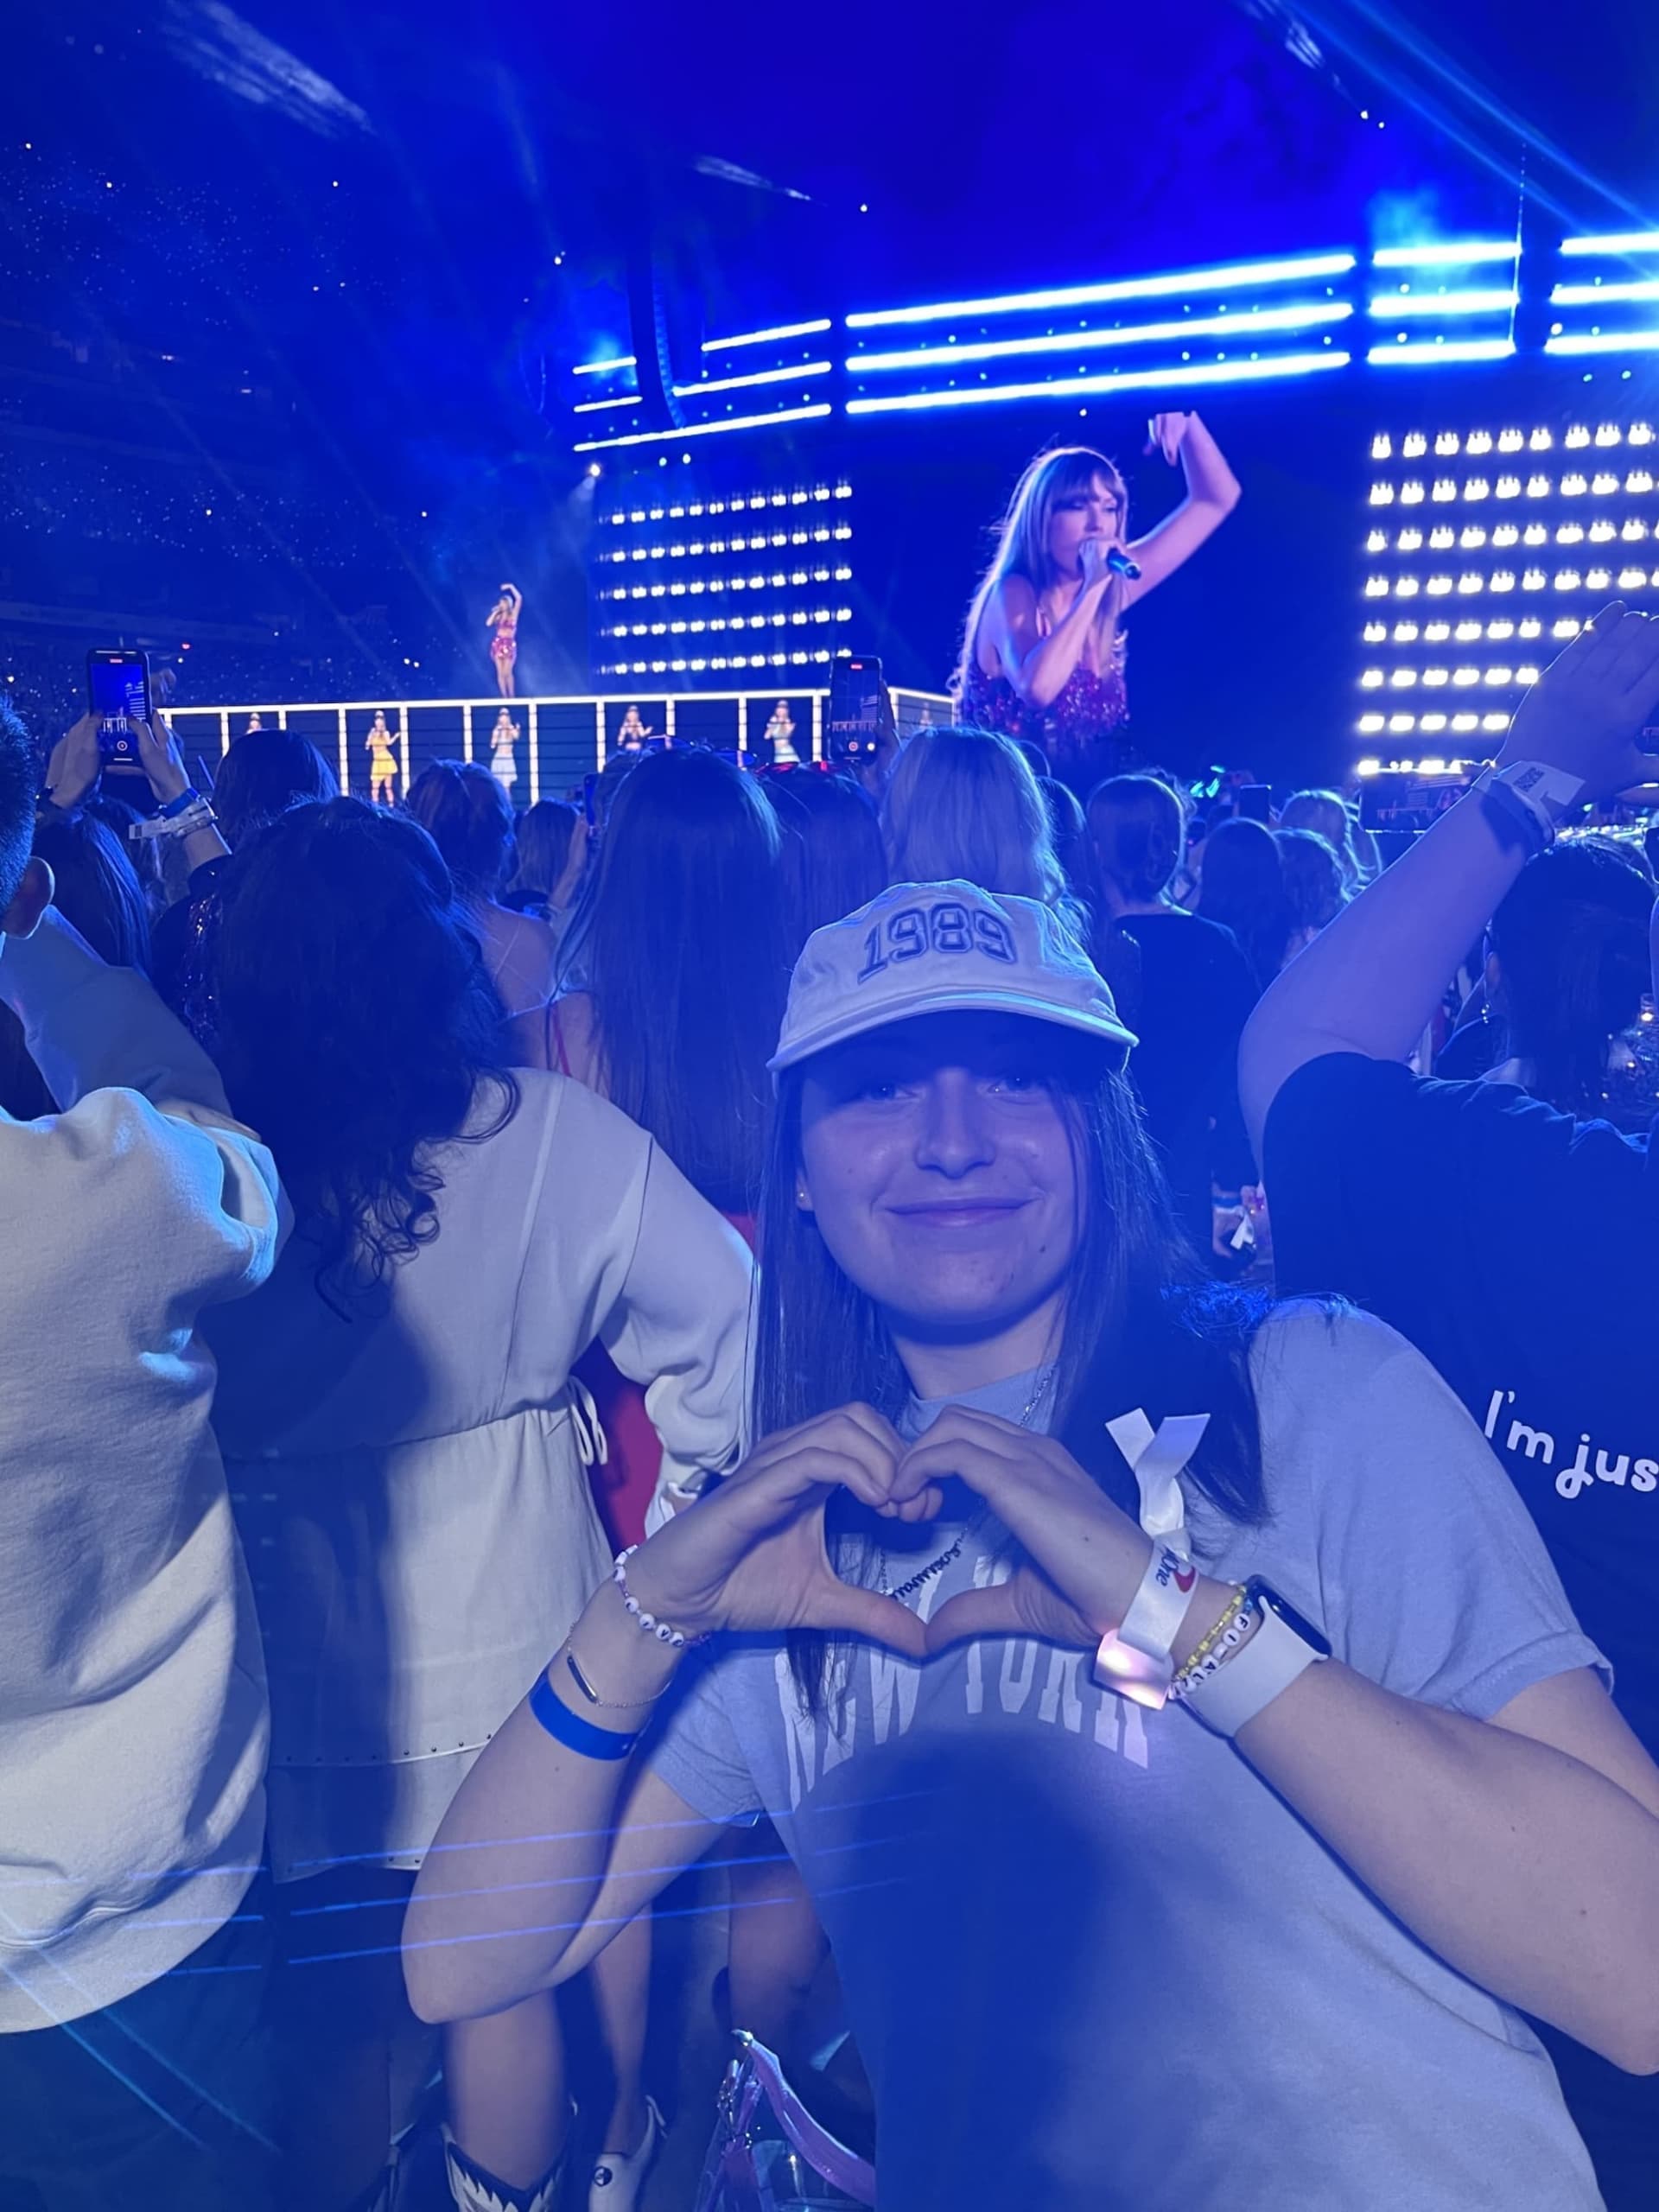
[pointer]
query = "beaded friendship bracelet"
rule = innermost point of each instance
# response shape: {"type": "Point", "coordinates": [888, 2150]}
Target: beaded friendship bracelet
{"type": "Point", "coordinates": [675, 1639]}
{"type": "Point", "coordinates": [1234, 1628]}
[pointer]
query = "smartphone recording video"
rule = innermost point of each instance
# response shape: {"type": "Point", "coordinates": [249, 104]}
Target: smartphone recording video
{"type": "Point", "coordinates": [118, 694]}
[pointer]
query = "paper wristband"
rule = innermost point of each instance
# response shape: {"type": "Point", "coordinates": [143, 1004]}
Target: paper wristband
{"type": "Point", "coordinates": [571, 1730]}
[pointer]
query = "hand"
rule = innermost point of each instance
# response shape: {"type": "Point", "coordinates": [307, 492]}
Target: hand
{"type": "Point", "coordinates": [1164, 433]}
{"type": "Point", "coordinates": [751, 1555]}
{"type": "Point", "coordinates": [76, 760]}
{"type": "Point", "coordinates": [1086, 1557]}
{"type": "Point", "coordinates": [161, 760]}
{"type": "Point", "coordinates": [1098, 573]}
{"type": "Point", "coordinates": [1586, 711]}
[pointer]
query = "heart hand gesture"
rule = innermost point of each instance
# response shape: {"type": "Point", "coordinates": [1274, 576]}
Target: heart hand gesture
{"type": "Point", "coordinates": [752, 1555]}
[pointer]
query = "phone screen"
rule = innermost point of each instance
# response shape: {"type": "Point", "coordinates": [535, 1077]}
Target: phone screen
{"type": "Point", "coordinates": [856, 706]}
{"type": "Point", "coordinates": [118, 688]}
{"type": "Point", "coordinates": [1255, 802]}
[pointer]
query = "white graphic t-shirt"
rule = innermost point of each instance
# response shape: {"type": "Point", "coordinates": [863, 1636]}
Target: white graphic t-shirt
{"type": "Point", "coordinates": [1092, 1963]}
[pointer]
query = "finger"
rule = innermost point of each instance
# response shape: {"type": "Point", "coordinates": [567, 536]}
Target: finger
{"type": "Point", "coordinates": [990, 1472]}
{"type": "Point", "coordinates": [1590, 650]}
{"type": "Point", "coordinates": [992, 1612]}
{"type": "Point", "coordinates": [875, 1425]}
{"type": "Point", "coordinates": [1635, 654]}
{"type": "Point", "coordinates": [925, 1504]}
{"type": "Point", "coordinates": [857, 1611]}
{"type": "Point", "coordinates": [763, 1490]}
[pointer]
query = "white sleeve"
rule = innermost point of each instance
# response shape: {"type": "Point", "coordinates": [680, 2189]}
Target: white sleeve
{"type": "Point", "coordinates": [681, 1328]}
{"type": "Point", "coordinates": [138, 1089]}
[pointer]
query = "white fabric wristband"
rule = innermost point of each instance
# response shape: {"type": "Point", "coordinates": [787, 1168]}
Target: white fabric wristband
{"type": "Point", "coordinates": [1136, 1658]}
{"type": "Point", "coordinates": [1253, 1676]}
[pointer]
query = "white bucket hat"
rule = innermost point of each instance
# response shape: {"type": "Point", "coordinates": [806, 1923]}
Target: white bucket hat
{"type": "Point", "coordinates": [942, 948]}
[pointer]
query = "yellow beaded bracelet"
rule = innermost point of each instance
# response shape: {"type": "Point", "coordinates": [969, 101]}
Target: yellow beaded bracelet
{"type": "Point", "coordinates": [1235, 1605]}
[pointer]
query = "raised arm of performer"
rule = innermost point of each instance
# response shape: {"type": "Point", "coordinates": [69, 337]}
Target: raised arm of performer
{"type": "Point", "coordinates": [1051, 602]}
{"type": "Point", "coordinates": [1212, 493]}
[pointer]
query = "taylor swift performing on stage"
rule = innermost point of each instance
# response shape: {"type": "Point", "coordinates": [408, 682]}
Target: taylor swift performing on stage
{"type": "Point", "coordinates": [1043, 655]}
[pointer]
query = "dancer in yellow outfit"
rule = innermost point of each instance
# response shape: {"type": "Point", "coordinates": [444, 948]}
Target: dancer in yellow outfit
{"type": "Point", "coordinates": [381, 745]}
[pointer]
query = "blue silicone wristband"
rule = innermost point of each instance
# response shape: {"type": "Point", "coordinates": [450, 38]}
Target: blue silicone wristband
{"type": "Point", "coordinates": [189, 796]}
{"type": "Point", "coordinates": [571, 1730]}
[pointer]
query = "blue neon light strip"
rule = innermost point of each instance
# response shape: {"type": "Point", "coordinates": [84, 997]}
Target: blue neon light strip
{"type": "Point", "coordinates": [704, 429]}
{"type": "Point", "coordinates": [1240, 277]}
{"type": "Point", "coordinates": [1614, 242]}
{"type": "Point", "coordinates": [1605, 341]}
{"type": "Point", "coordinates": [1387, 304]}
{"type": "Point", "coordinates": [1446, 256]}
{"type": "Point", "coordinates": [759, 375]}
{"type": "Point", "coordinates": [1284, 364]}
{"type": "Point", "coordinates": [1590, 295]}
{"type": "Point", "coordinates": [598, 368]}
{"type": "Point", "coordinates": [1245, 324]}
{"type": "Point", "coordinates": [595, 406]}
{"type": "Point", "coordinates": [1427, 350]}
{"type": "Point", "coordinates": [765, 336]}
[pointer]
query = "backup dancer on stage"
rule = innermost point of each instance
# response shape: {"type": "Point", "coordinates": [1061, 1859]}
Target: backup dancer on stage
{"type": "Point", "coordinates": [504, 760]}
{"type": "Point", "coordinates": [781, 736]}
{"type": "Point", "coordinates": [502, 620]}
{"type": "Point", "coordinates": [382, 762]}
{"type": "Point", "coordinates": [1043, 655]}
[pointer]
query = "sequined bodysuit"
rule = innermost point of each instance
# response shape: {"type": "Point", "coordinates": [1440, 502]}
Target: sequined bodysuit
{"type": "Point", "coordinates": [1077, 730]}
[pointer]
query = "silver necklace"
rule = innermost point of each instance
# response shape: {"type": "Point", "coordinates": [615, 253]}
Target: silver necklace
{"type": "Point", "coordinates": [952, 1552]}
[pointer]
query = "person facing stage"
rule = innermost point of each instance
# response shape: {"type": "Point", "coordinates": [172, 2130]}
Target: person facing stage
{"type": "Point", "coordinates": [1043, 651]}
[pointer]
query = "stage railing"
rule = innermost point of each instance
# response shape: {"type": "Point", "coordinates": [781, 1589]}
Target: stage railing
{"type": "Point", "coordinates": [560, 738]}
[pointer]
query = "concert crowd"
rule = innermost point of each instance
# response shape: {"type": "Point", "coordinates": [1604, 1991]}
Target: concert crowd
{"type": "Point", "coordinates": [924, 1481]}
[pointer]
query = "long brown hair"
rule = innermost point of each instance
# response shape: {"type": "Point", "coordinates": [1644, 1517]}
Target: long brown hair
{"type": "Point", "coordinates": [1142, 1326]}
{"type": "Point", "coordinates": [1022, 542]}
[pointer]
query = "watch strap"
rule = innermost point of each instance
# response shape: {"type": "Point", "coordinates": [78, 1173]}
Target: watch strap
{"type": "Point", "coordinates": [1254, 1676]}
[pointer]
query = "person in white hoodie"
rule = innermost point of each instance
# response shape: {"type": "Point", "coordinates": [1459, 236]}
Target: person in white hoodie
{"type": "Point", "coordinates": [133, 1723]}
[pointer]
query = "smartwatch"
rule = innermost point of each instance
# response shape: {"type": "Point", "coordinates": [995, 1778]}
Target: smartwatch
{"type": "Point", "coordinates": [1283, 1645]}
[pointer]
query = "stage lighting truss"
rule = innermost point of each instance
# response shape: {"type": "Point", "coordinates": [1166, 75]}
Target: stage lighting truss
{"type": "Point", "coordinates": [1504, 522]}
{"type": "Point", "coordinates": [682, 570]}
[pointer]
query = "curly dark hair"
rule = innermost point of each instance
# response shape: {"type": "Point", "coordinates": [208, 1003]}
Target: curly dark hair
{"type": "Point", "coordinates": [19, 780]}
{"type": "Point", "coordinates": [355, 1027]}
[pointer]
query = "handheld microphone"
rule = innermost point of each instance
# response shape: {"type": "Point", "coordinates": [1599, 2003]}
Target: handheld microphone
{"type": "Point", "coordinates": [1121, 565]}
